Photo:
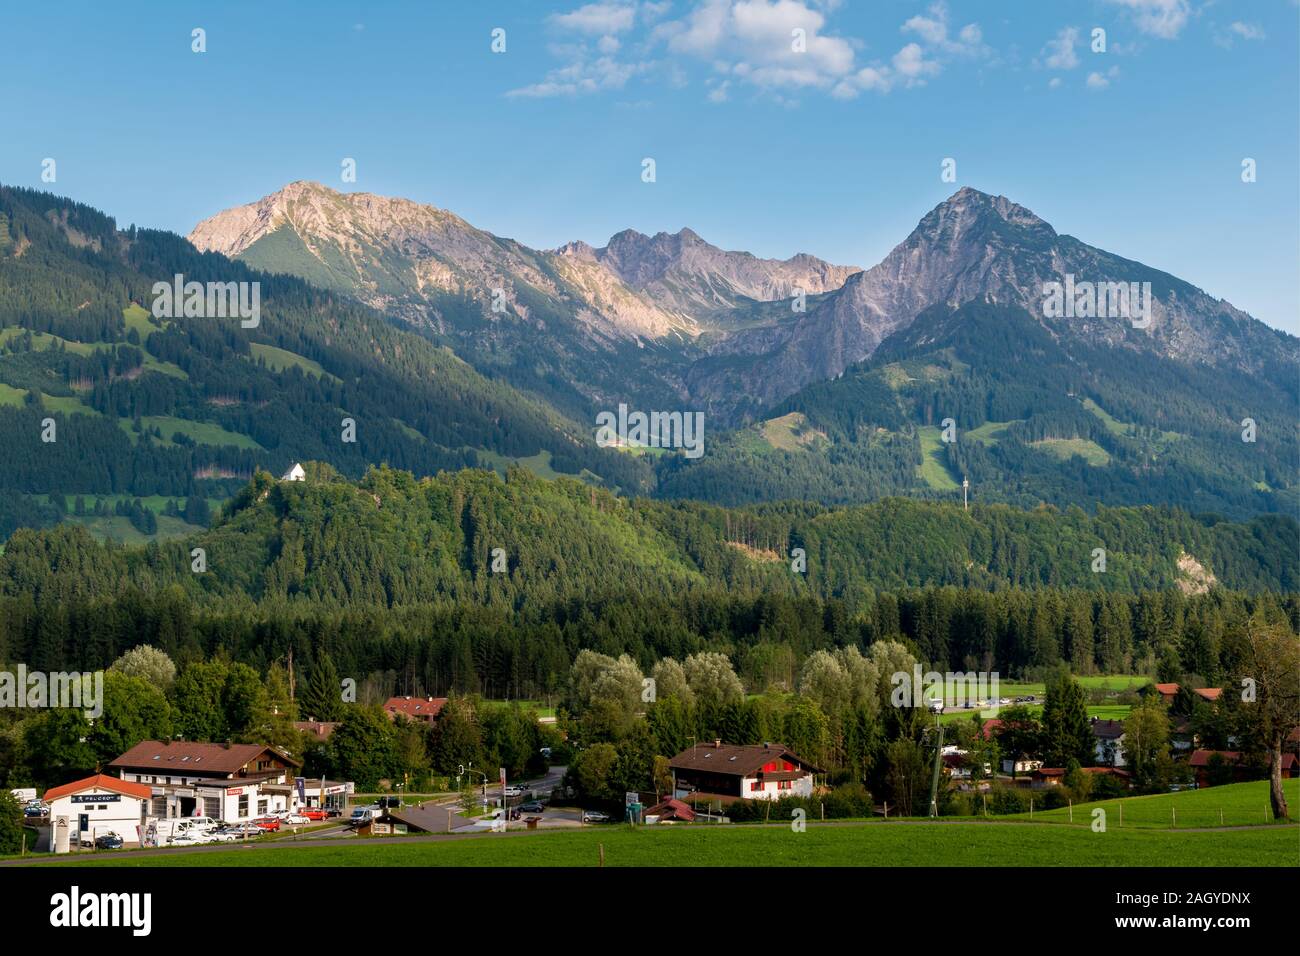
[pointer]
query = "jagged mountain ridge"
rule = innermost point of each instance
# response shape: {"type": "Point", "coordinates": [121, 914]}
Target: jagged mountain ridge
{"type": "Point", "coordinates": [670, 319]}
{"type": "Point", "coordinates": [586, 327]}
{"type": "Point", "coordinates": [980, 248]}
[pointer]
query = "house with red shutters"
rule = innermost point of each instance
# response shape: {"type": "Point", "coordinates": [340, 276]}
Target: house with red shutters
{"type": "Point", "coordinates": [718, 771]}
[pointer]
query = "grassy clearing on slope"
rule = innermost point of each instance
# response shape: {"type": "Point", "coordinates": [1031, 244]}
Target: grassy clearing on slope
{"type": "Point", "coordinates": [990, 433]}
{"type": "Point", "coordinates": [934, 468]}
{"type": "Point", "coordinates": [1066, 448]}
{"type": "Point", "coordinates": [278, 360]}
{"type": "Point", "coordinates": [205, 433]}
{"type": "Point", "coordinates": [790, 432]}
{"type": "Point", "coordinates": [138, 318]}
{"type": "Point", "coordinates": [66, 405]}
{"type": "Point", "coordinates": [871, 844]}
{"type": "Point", "coordinates": [1234, 805]}
{"type": "Point", "coordinates": [120, 529]}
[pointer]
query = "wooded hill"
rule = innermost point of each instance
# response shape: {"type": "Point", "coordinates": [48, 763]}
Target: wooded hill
{"type": "Point", "coordinates": [391, 539]}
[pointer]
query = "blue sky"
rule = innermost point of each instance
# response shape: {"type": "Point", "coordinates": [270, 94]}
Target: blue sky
{"type": "Point", "coordinates": [835, 149]}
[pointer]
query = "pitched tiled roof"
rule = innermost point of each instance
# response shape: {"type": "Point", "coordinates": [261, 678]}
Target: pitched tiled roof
{"type": "Point", "coordinates": [735, 760]}
{"type": "Point", "coordinates": [1201, 758]}
{"type": "Point", "coordinates": [190, 758]}
{"type": "Point", "coordinates": [417, 708]}
{"type": "Point", "coordinates": [1108, 729]}
{"type": "Point", "coordinates": [100, 781]}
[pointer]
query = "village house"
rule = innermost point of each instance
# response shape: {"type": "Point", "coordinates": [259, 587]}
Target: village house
{"type": "Point", "coordinates": [227, 782]}
{"type": "Point", "coordinates": [318, 730]}
{"type": "Point", "coordinates": [719, 771]}
{"type": "Point", "coordinates": [1109, 738]}
{"type": "Point", "coordinates": [1205, 763]}
{"type": "Point", "coordinates": [1045, 778]}
{"type": "Point", "coordinates": [414, 708]}
{"type": "Point", "coordinates": [296, 473]}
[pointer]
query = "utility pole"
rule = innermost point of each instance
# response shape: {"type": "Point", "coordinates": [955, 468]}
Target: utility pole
{"type": "Point", "coordinates": [934, 780]}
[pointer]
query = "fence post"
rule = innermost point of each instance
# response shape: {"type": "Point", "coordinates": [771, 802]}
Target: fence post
{"type": "Point", "coordinates": [1070, 804]}
{"type": "Point", "coordinates": [886, 809]}
{"type": "Point", "coordinates": [1174, 812]}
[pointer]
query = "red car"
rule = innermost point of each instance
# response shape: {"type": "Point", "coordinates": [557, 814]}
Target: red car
{"type": "Point", "coordinates": [314, 813]}
{"type": "Point", "coordinates": [267, 823]}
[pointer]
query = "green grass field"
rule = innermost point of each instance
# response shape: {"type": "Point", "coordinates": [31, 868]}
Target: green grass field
{"type": "Point", "coordinates": [990, 433]}
{"type": "Point", "coordinates": [868, 844]}
{"type": "Point", "coordinates": [66, 405]}
{"type": "Point", "coordinates": [535, 705]}
{"type": "Point", "coordinates": [1235, 805]}
{"type": "Point", "coordinates": [933, 469]}
{"type": "Point", "coordinates": [1100, 711]}
{"type": "Point", "coordinates": [1067, 448]}
{"type": "Point", "coordinates": [121, 530]}
{"type": "Point", "coordinates": [278, 360]}
{"type": "Point", "coordinates": [12, 396]}
{"type": "Point", "coordinates": [205, 433]}
{"type": "Point", "coordinates": [790, 432]}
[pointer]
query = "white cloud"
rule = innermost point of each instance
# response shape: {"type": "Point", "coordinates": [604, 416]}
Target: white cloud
{"type": "Point", "coordinates": [1054, 82]}
{"type": "Point", "coordinates": [598, 18]}
{"type": "Point", "coordinates": [911, 64]}
{"type": "Point", "coordinates": [932, 28]}
{"type": "Point", "coordinates": [603, 73]}
{"type": "Point", "coordinates": [1098, 81]}
{"type": "Point", "coordinates": [774, 45]}
{"type": "Point", "coordinates": [1247, 31]}
{"type": "Point", "coordinates": [1059, 52]}
{"type": "Point", "coordinates": [1158, 18]}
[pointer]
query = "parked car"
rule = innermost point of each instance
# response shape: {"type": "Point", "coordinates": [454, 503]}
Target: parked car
{"type": "Point", "coordinates": [594, 816]}
{"type": "Point", "coordinates": [33, 811]}
{"type": "Point", "coordinates": [314, 813]}
{"type": "Point", "coordinates": [514, 792]}
{"type": "Point", "coordinates": [108, 841]}
{"type": "Point", "coordinates": [267, 823]}
{"type": "Point", "coordinates": [294, 819]}
{"type": "Point", "coordinates": [532, 806]}
{"type": "Point", "coordinates": [362, 815]}
{"type": "Point", "coordinates": [238, 831]}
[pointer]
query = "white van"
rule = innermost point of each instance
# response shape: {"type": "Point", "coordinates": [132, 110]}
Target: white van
{"type": "Point", "coordinates": [363, 815]}
{"type": "Point", "coordinates": [192, 828]}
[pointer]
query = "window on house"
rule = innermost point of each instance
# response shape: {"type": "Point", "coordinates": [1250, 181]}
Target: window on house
{"type": "Point", "coordinates": [784, 784]}
{"type": "Point", "coordinates": [243, 806]}
{"type": "Point", "coordinates": [755, 785]}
